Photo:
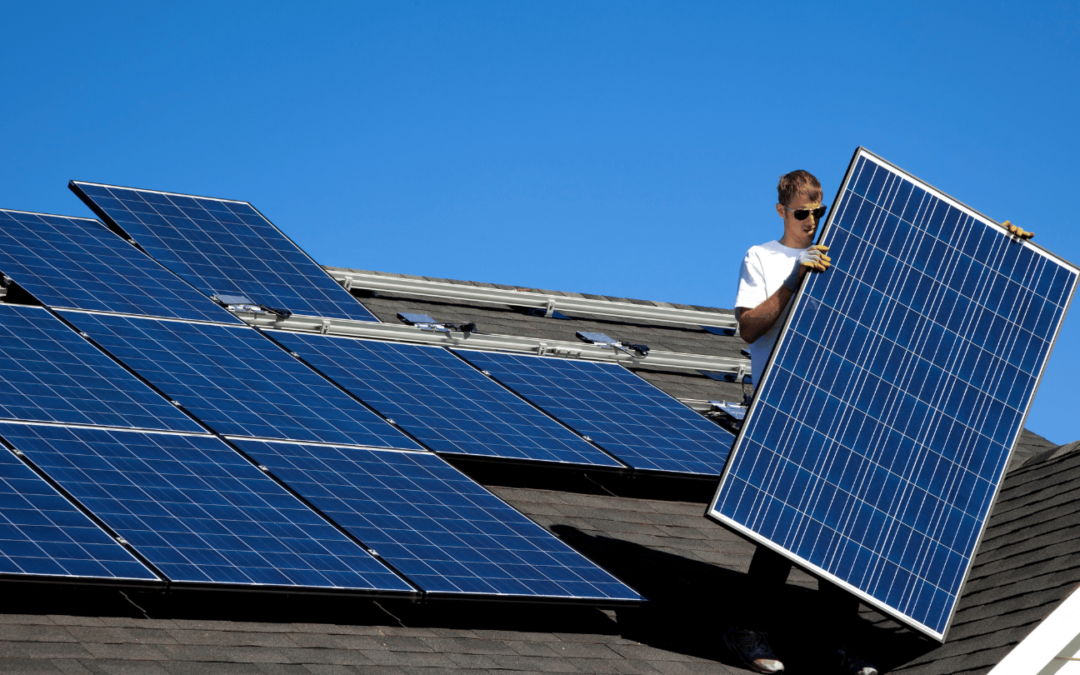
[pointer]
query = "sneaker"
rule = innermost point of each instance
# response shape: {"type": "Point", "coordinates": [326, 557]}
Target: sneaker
{"type": "Point", "coordinates": [850, 664]}
{"type": "Point", "coordinates": [753, 649]}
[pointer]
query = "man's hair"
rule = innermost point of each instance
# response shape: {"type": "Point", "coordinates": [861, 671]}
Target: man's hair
{"type": "Point", "coordinates": [797, 183]}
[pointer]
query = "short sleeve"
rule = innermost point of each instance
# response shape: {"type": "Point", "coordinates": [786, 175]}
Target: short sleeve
{"type": "Point", "coordinates": [752, 291]}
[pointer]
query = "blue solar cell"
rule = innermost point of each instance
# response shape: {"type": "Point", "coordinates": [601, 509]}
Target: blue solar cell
{"type": "Point", "coordinates": [198, 511]}
{"type": "Point", "coordinates": [237, 382]}
{"type": "Point", "coordinates": [223, 246]}
{"type": "Point", "coordinates": [78, 263]}
{"type": "Point", "coordinates": [883, 424]}
{"type": "Point", "coordinates": [623, 413]}
{"type": "Point", "coordinates": [435, 525]}
{"type": "Point", "coordinates": [51, 374]}
{"type": "Point", "coordinates": [441, 400]}
{"type": "Point", "coordinates": [43, 534]}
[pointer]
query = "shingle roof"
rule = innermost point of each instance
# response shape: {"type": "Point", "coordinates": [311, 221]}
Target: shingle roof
{"type": "Point", "coordinates": [649, 532]}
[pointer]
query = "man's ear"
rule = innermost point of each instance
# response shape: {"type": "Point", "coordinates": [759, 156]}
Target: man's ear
{"type": "Point", "coordinates": [780, 209]}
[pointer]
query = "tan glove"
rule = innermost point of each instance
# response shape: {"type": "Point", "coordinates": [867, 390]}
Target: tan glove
{"type": "Point", "coordinates": [1017, 231]}
{"type": "Point", "coordinates": [815, 258]}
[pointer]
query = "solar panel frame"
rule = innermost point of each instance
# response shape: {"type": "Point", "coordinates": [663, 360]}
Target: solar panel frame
{"type": "Point", "coordinates": [54, 375]}
{"type": "Point", "coordinates": [168, 231]}
{"type": "Point", "coordinates": [79, 263]}
{"type": "Point", "coordinates": [956, 212]}
{"type": "Point", "coordinates": [200, 512]}
{"type": "Point", "coordinates": [442, 401]}
{"type": "Point", "coordinates": [44, 535]}
{"type": "Point", "coordinates": [665, 437]}
{"type": "Point", "coordinates": [436, 526]}
{"type": "Point", "coordinates": [237, 382]}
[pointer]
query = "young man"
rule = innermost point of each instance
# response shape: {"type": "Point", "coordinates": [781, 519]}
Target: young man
{"type": "Point", "coordinates": [770, 276]}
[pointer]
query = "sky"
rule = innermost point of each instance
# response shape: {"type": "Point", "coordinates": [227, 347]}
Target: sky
{"type": "Point", "coordinates": [622, 148]}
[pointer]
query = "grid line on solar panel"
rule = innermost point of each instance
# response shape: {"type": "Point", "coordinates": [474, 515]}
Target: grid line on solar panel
{"type": "Point", "coordinates": [198, 511]}
{"type": "Point", "coordinates": [624, 414]}
{"type": "Point", "coordinates": [442, 530]}
{"type": "Point", "coordinates": [441, 400]}
{"type": "Point", "coordinates": [43, 534]}
{"type": "Point", "coordinates": [881, 429]}
{"type": "Point", "coordinates": [238, 382]}
{"type": "Point", "coordinates": [51, 374]}
{"type": "Point", "coordinates": [79, 263]}
{"type": "Point", "coordinates": [223, 246]}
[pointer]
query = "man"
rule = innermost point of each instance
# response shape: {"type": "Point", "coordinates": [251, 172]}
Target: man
{"type": "Point", "coordinates": [770, 276]}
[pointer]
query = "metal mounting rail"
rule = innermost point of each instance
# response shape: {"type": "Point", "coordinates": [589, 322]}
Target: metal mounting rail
{"type": "Point", "coordinates": [544, 301]}
{"type": "Point", "coordinates": [513, 343]}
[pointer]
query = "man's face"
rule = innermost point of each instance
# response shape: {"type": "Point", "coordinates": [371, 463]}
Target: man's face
{"type": "Point", "coordinates": [799, 233]}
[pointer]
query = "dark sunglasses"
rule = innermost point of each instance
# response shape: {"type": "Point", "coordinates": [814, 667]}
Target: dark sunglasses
{"type": "Point", "coordinates": [801, 214]}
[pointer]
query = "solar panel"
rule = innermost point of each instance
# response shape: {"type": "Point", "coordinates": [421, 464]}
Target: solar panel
{"type": "Point", "coordinates": [198, 511]}
{"type": "Point", "coordinates": [223, 246]}
{"type": "Point", "coordinates": [237, 382]}
{"type": "Point", "coordinates": [623, 413]}
{"type": "Point", "coordinates": [78, 263]}
{"type": "Point", "coordinates": [441, 400]}
{"type": "Point", "coordinates": [49, 373]}
{"type": "Point", "coordinates": [43, 534]}
{"type": "Point", "coordinates": [881, 429]}
{"type": "Point", "coordinates": [436, 526]}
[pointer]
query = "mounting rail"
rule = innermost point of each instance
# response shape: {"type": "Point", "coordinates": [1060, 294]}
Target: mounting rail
{"type": "Point", "coordinates": [549, 303]}
{"type": "Point", "coordinates": [512, 343]}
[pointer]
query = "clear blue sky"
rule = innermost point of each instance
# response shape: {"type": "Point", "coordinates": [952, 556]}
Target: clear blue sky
{"type": "Point", "coordinates": [620, 148]}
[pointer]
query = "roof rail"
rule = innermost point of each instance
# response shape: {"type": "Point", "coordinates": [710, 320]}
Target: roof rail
{"type": "Point", "coordinates": [512, 343]}
{"type": "Point", "coordinates": [353, 280]}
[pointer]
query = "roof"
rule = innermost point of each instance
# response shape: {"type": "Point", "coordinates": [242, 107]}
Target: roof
{"type": "Point", "coordinates": [650, 532]}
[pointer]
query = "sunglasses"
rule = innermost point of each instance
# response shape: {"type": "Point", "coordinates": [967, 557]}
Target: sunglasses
{"type": "Point", "coordinates": [801, 214]}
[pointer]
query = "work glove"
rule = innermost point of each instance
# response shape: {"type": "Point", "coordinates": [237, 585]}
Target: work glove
{"type": "Point", "coordinates": [1017, 231]}
{"type": "Point", "coordinates": [814, 259]}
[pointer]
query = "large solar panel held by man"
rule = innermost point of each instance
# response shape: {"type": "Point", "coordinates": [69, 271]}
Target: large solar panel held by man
{"type": "Point", "coordinates": [621, 412]}
{"type": "Point", "coordinates": [441, 400]}
{"type": "Point", "coordinates": [198, 511]}
{"type": "Point", "coordinates": [883, 424]}
{"type": "Point", "coordinates": [79, 263]}
{"type": "Point", "coordinates": [238, 382]}
{"type": "Point", "coordinates": [223, 247]}
{"type": "Point", "coordinates": [49, 373]}
{"type": "Point", "coordinates": [43, 534]}
{"type": "Point", "coordinates": [435, 525]}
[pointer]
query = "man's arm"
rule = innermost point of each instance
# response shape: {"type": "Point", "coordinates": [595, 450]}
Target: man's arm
{"type": "Point", "coordinates": [756, 321]}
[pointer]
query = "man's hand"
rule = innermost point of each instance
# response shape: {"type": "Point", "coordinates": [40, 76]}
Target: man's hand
{"type": "Point", "coordinates": [812, 259]}
{"type": "Point", "coordinates": [1017, 231]}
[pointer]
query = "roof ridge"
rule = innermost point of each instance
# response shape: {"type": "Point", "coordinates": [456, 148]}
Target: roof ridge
{"type": "Point", "coordinates": [530, 289]}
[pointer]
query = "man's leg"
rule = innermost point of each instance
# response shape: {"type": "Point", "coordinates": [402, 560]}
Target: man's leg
{"type": "Point", "coordinates": [840, 617]}
{"type": "Point", "coordinates": [760, 601]}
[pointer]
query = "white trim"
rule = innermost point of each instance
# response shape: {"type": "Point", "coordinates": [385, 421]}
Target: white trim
{"type": "Point", "coordinates": [97, 427]}
{"type": "Point", "coordinates": [511, 343]}
{"type": "Point", "coordinates": [160, 192]}
{"type": "Point", "coordinates": [1050, 637]}
{"type": "Point", "coordinates": [343, 446]}
{"type": "Point", "coordinates": [549, 302]}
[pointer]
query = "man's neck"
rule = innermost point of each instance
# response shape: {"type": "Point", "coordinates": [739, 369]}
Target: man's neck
{"type": "Point", "coordinates": [802, 242]}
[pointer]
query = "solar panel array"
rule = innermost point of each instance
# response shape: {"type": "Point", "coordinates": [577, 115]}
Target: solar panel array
{"type": "Point", "coordinates": [49, 373]}
{"type": "Point", "coordinates": [438, 527]}
{"type": "Point", "coordinates": [624, 414]}
{"type": "Point", "coordinates": [222, 246]}
{"type": "Point", "coordinates": [441, 400]}
{"type": "Point", "coordinates": [198, 511]}
{"type": "Point", "coordinates": [883, 424]}
{"type": "Point", "coordinates": [43, 534]}
{"type": "Point", "coordinates": [238, 382]}
{"type": "Point", "coordinates": [78, 263]}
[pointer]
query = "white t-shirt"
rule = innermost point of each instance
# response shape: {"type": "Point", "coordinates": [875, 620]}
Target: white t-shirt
{"type": "Point", "coordinates": [763, 272]}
